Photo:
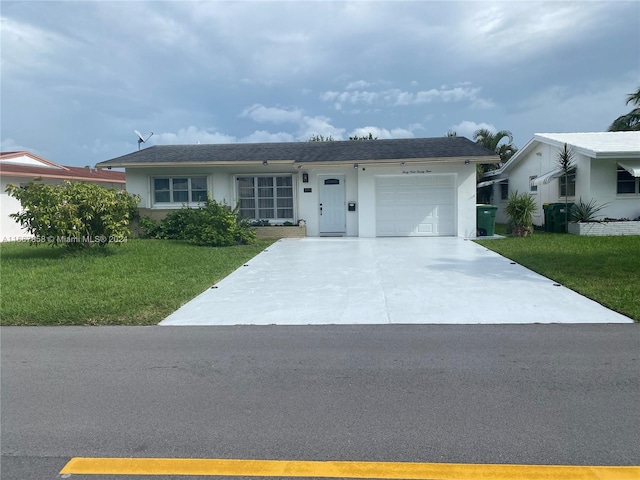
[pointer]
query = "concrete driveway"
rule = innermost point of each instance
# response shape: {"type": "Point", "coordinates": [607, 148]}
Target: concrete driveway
{"type": "Point", "coordinates": [386, 280]}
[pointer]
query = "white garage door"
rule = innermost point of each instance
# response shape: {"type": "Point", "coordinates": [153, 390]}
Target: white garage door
{"type": "Point", "coordinates": [416, 206]}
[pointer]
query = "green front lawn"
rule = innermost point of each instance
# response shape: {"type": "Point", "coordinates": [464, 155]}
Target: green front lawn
{"type": "Point", "coordinates": [137, 283]}
{"type": "Point", "coordinates": [605, 269]}
{"type": "Point", "coordinates": [142, 281]}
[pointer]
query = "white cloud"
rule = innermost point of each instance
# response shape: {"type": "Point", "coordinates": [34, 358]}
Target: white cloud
{"type": "Point", "coordinates": [319, 125]}
{"type": "Point", "coordinates": [395, 97]}
{"type": "Point", "coordinates": [351, 97]}
{"type": "Point", "coordinates": [94, 71]}
{"type": "Point", "coordinates": [382, 133]}
{"type": "Point", "coordinates": [497, 31]}
{"type": "Point", "coordinates": [466, 128]}
{"type": "Point", "coordinates": [358, 84]}
{"type": "Point", "coordinates": [191, 136]}
{"type": "Point", "coordinates": [483, 104]}
{"type": "Point", "coordinates": [261, 114]}
{"type": "Point", "coordinates": [262, 136]}
{"type": "Point", "coordinates": [305, 125]}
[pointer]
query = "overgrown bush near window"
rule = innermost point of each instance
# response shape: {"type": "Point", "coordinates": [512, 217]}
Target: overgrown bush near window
{"type": "Point", "coordinates": [213, 224]}
{"type": "Point", "coordinates": [75, 215]}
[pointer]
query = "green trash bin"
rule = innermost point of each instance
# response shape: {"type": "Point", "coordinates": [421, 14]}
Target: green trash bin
{"type": "Point", "coordinates": [486, 220]}
{"type": "Point", "coordinates": [548, 218]}
{"type": "Point", "coordinates": [559, 225]}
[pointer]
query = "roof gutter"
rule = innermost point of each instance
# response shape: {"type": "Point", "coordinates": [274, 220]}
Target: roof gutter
{"type": "Point", "coordinates": [296, 164]}
{"type": "Point", "coordinates": [63, 177]}
{"type": "Point", "coordinates": [402, 161]}
{"type": "Point", "coordinates": [228, 163]}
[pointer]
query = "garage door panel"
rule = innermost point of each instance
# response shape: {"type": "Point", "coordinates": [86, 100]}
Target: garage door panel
{"type": "Point", "coordinates": [415, 205]}
{"type": "Point", "coordinates": [445, 181]}
{"type": "Point", "coordinates": [426, 228]}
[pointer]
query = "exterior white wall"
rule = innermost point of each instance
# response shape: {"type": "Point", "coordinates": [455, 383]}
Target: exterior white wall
{"type": "Point", "coordinates": [219, 185]}
{"type": "Point", "coordinates": [465, 201]}
{"type": "Point", "coordinates": [359, 188]}
{"type": "Point", "coordinates": [596, 179]}
{"type": "Point", "coordinates": [603, 188]}
{"type": "Point", "coordinates": [27, 160]}
{"type": "Point", "coordinates": [309, 202]}
{"type": "Point", "coordinates": [538, 162]}
{"type": "Point", "coordinates": [10, 230]}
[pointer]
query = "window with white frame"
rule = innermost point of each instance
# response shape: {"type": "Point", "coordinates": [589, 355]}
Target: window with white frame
{"type": "Point", "coordinates": [532, 186]}
{"type": "Point", "coordinates": [266, 197]}
{"type": "Point", "coordinates": [627, 183]}
{"type": "Point", "coordinates": [568, 184]}
{"type": "Point", "coordinates": [179, 190]}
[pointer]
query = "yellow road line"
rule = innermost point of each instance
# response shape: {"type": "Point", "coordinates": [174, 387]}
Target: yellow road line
{"type": "Point", "coordinates": [342, 469]}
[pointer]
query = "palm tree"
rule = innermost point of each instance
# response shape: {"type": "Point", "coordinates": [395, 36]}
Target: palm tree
{"type": "Point", "coordinates": [565, 162]}
{"type": "Point", "coordinates": [491, 140]}
{"type": "Point", "coordinates": [630, 121]}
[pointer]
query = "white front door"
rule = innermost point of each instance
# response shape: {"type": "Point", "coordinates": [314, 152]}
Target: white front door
{"type": "Point", "coordinates": [332, 204]}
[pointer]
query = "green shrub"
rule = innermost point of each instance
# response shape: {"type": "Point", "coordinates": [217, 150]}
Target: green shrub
{"type": "Point", "coordinates": [76, 215]}
{"type": "Point", "coordinates": [520, 209]}
{"type": "Point", "coordinates": [151, 228]}
{"type": "Point", "coordinates": [586, 211]}
{"type": "Point", "coordinates": [260, 223]}
{"type": "Point", "coordinates": [213, 224]}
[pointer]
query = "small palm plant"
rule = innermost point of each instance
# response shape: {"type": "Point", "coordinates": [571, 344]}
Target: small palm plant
{"type": "Point", "coordinates": [565, 162]}
{"type": "Point", "coordinates": [586, 211]}
{"type": "Point", "coordinates": [520, 209]}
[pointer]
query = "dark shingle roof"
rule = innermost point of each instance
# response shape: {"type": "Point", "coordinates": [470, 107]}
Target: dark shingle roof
{"type": "Point", "coordinates": [308, 152]}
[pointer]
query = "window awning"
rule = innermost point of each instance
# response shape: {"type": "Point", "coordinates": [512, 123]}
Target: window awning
{"type": "Point", "coordinates": [491, 182]}
{"type": "Point", "coordinates": [631, 166]}
{"type": "Point", "coordinates": [547, 177]}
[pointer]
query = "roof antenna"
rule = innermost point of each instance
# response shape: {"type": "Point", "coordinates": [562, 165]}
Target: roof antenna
{"type": "Point", "coordinates": [141, 139]}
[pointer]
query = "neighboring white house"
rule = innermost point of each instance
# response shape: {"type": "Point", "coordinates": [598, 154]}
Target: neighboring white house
{"type": "Point", "coordinates": [366, 188]}
{"type": "Point", "coordinates": [20, 168]}
{"type": "Point", "coordinates": [606, 170]}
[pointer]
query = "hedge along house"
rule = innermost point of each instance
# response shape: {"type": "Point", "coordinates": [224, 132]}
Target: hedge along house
{"type": "Point", "coordinates": [367, 188]}
{"type": "Point", "coordinates": [606, 169]}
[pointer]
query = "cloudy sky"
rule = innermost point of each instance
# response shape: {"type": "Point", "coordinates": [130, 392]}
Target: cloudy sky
{"type": "Point", "coordinates": [79, 77]}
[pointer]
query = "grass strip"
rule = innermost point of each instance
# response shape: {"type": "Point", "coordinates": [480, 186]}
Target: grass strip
{"type": "Point", "coordinates": [139, 282]}
{"type": "Point", "coordinates": [604, 269]}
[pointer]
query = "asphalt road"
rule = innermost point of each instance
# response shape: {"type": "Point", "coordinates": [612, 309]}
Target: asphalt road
{"type": "Point", "coordinates": [528, 394]}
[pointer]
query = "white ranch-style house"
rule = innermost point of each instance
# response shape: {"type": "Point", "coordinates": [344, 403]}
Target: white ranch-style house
{"type": "Point", "coordinates": [606, 169]}
{"type": "Point", "coordinates": [359, 188]}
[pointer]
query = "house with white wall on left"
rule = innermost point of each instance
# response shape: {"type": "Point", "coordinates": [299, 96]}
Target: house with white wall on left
{"type": "Point", "coordinates": [20, 168]}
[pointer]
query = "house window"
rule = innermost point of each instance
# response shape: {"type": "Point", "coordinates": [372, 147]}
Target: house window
{"type": "Point", "coordinates": [504, 191]}
{"type": "Point", "coordinates": [266, 198]}
{"type": "Point", "coordinates": [532, 188]}
{"type": "Point", "coordinates": [568, 184]}
{"type": "Point", "coordinates": [179, 190]}
{"type": "Point", "coordinates": [627, 183]}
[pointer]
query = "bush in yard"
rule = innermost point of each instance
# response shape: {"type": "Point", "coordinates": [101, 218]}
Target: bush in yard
{"type": "Point", "coordinates": [76, 215]}
{"type": "Point", "coordinates": [520, 209]}
{"type": "Point", "coordinates": [213, 224]}
{"type": "Point", "coordinates": [151, 228]}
